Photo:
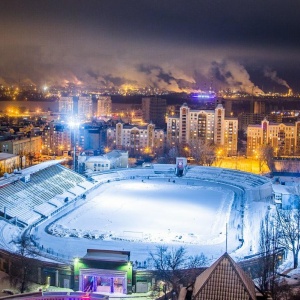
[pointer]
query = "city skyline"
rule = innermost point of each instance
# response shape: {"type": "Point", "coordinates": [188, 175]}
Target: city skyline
{"type": "Point", "coordinates": [172, 45]}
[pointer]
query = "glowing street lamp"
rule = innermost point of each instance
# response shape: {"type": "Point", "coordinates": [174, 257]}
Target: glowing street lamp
{"type": "Point", "coordinates": [147, 150]}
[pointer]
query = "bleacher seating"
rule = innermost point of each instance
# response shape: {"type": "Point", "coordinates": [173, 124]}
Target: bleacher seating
{"type": "Point", "coordinates": [29, 201]}
{"type": "Point", "coordinates": [49, 187]}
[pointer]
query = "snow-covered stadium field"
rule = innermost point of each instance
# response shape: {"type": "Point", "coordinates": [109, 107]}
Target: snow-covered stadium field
{"type": "Point", "coordinates": [152, 211]}
{"type": "Point", "coordinates": [139, 213]}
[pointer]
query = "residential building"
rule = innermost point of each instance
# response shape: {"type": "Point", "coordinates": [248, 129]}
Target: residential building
{"type": "Point", "coordinates": [66, 105]}
{"type": "Point", "coordinates": [284, 138]}
{"type": "Point", "coordinates": [139, 139]}
{"type": "Point", "coordinates": [209, 126]}
{"type": "Point", "coordinates": [57, 139]}
{"type": "Point", "coordinates": [104, 105]}
{"type": "Point", "coordinates": [85, 108]}
{"type": "Point", "coordinates": [22, 145]}
{"type": "Point", "coordinates": [225, 131]}
{"type": "Point", "coordinates": [246, 119]}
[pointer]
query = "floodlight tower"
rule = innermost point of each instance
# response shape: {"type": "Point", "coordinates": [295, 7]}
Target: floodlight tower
{"type": "Point", "coordinates": [74, 125]}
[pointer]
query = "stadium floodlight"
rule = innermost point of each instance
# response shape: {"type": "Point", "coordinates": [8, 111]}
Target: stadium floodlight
{"type": "Point", "coordinates": [74, 125]}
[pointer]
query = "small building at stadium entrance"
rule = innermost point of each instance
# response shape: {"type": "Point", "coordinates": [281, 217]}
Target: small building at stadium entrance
{"type": "Point", "coordinates": [103, 271]}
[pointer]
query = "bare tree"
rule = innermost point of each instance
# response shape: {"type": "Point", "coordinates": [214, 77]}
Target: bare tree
{"type": "Point", "coordinates": [23, 265]}
{"type": "Point", "coordinates": [203, 152]}
{"type": "Point", "coordinates": [172, 154]}
{"type": "Point", "coordinates": [288, 227]}
{"type": "Point", "coordinates": [174, 266]}
{"type": "Point", "coordinates": [265, 155]}
{"type": "Point", "coordinates": [267, 268]}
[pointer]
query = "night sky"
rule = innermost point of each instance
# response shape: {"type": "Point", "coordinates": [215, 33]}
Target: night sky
{"type": "Point", "coordinates": [173, 44]}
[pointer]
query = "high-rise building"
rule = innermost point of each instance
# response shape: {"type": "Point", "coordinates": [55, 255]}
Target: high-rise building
{"type": "Point", "coordinates": [66, 105]}
{"type": "Point", "coordinates": [104, 104]}
{"type": "Point", "coordinates": [57, 139]}
{"type": "Point", "coordinates": [208, 126]}
{"type": "Point", "coordinates": [85, 108]}
{"type": "Point", "coordinates": [154, 110]}
{"type": "Point", "coordinates": [225, 131]}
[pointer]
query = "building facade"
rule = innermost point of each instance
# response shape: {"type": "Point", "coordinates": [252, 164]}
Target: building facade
{"type": "Point", "coordinates": [104, 105]}
{"type": "Point", "coordinates": [57, 138]}
{"type": "Point", "coordinates": [8, 163]}
{"type": "Point", "coordinates": [85, 108]}
{"type": "Point", "coordinates": [22, 146]}
{"type": "Point", "coordinates": [66, 105]}
{"type": "Point", "coordinates": [225, 279]}
{"type": "Point", "coordinates": [105, 271]}
{"type": "Point", "coordinates": [139, 139]}
{"type": "Point", "coordinates": [93, 137]}
{"type": "Point", "coordinates": [112, 160]}
{"type": "Point", "coordinates": [284, 138]}
{"type": "Point", "coordinates": [208, 126]}
{"type": "Point", "coordinates": [154, 110]}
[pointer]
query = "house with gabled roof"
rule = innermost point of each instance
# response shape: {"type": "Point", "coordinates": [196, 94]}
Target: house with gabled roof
{"type": "Point", "coordinates": [222, 280]}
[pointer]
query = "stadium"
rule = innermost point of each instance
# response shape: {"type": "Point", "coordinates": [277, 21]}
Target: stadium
{"type": "Point", "coordinates": [128, 212]}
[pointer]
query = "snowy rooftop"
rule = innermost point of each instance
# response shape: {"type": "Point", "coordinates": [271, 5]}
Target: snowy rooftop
{"type": "Point", "coordinates": [4, 156]}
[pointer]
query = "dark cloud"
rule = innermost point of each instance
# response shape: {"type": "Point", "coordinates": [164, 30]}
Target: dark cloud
{"type": "Point", "coordinates": [170, 44]}
{"type": "Point", "coordinates": [92, 74]}
{"type": "Point", "coordinates": [117, 81]}
{"type": "Point", "coordinates": [161, 78]}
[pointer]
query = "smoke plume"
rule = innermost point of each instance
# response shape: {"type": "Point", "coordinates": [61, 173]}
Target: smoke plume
{"type": "Point", "coordinates": [273, 75]}
{"type": "Point", "coordinates": [232, 74]}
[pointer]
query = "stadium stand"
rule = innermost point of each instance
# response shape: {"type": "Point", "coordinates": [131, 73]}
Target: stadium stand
{"type": "Point", "coordinates": [28, 197]}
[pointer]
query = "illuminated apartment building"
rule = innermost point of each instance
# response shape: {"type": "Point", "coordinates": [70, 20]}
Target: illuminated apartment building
{"type": "Point", "coordinates": [209, 126]}
{"type": "Point", "coordinates": [139, 139]}
{"type": "Point", "coordinates": [66, 105]}
{"type": "Point", "coordinates": [284, 138]}
{"type": "Point", "coordinates": [104, 106]}
{"type": "Point", "coordinates": [57, 139]}
{"type": "Point", "coordinates": [85, 108]}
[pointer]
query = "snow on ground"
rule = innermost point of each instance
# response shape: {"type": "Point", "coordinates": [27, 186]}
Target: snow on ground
{"type": "Point", "coordinates": [137, 215]}
{"type": "Point", "coordinates": [151, 211]}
